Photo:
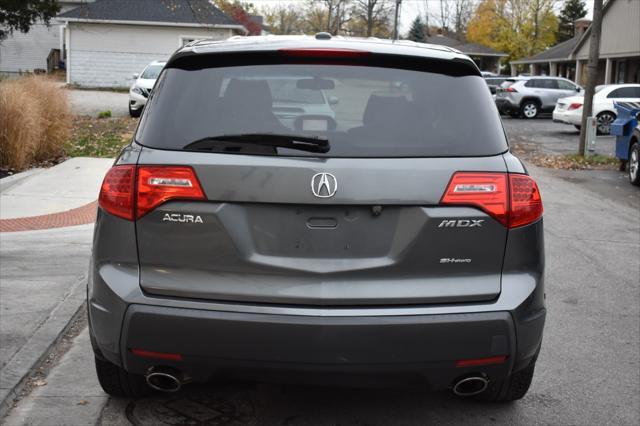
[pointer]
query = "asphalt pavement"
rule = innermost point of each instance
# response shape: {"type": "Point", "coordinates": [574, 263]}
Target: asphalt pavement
{"type": "Point", "coordinates": [587, 372]}
{"type": "Point", "coordinates": [552, 138]}
{"type": "Point", "coordinates": [93, 102]}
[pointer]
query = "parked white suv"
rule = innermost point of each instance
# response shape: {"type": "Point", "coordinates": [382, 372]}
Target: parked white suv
{"type": "Point", "coordinates": [142, 85]}
{"type": "Point", "coordinates": [569, 110]}
{"type": "Point", "coordinates": [529, 96]}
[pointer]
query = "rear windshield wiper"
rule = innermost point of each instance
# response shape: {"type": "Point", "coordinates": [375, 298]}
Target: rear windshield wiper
{"type": "Point", "coordinates": [302, 143]}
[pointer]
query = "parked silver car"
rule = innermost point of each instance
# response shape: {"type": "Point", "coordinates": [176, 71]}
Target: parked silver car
{"type": "Point", "coordinates": [529, 96]}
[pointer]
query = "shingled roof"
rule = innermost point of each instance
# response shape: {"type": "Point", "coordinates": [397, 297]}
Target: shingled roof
{"type": "Point", "coordinates": [559, 52]}
{"type": "Point", "coordinates": [473, 49]}
{"type": "Point", "coordinates": [191, 13]}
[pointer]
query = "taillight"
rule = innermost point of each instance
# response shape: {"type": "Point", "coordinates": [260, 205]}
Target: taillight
{"type": "Point", "coordinates": [324, 53]}
{"type": "Point", "coordinates": [159, 184]}
{"type": "Point", "coordinates": [487, 191]}
{"type": "Point", "coordinates": [155, 185]}
{"type": "Point", "coordinates": [117, 191]}
{"type": "Point", "coordinates": [510, 89]}
{"type": "Point", "coordinates": [526, 202]}
{"type": "Point", "coordinates": [575, 105]}
{"type": "Point", "coordinates": [512, 199]}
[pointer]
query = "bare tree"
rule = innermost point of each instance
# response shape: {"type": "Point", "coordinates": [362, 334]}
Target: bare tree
{"type": "Point", "coordinates": [373, 13]}
{"type": "Point", "coordinates": [452, 15]}
{"type": "Point", "coordinates": [462, 10]}
{"type": "Point", "coordinates": [284, 18]}
{"type": "Point", "coordinates": [444, 16]}
{"type": "Point", "coordinates": [592, 72]}
{"type": "Point", "coordinates": [336, 13]}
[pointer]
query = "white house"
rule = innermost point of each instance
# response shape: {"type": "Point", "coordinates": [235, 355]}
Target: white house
{"type": "Point", "coordinates": [619, 44]}
{"type": "Point", "coordinates": [109, 40]}
{"type": "Point", "coordinates": [29, 51]}
{"type": "Point", "coordinates": [619, 48]}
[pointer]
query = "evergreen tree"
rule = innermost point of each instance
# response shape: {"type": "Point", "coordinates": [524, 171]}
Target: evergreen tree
{"type": "Point", "coordinates": [416, 33]}
{"type": "Point", "coordinates": [572, 11]}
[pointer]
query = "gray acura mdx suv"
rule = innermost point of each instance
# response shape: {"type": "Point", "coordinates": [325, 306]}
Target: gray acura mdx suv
{"type": "Point", "coordinates": [395, 238]}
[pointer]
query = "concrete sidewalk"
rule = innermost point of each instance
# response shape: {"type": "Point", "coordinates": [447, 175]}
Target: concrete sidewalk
{"type": "Point", "coordinates": [43, 272]}
{"type": "Point", "coordinates": [68, 185]}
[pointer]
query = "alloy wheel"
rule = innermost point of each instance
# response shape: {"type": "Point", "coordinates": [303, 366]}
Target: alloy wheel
{"type": "Point", "coordinates": [604, 123]}
{"type": "Point", "coordinates": [633, 165]}
{"type": "Point", "coordinates": [530, 110]}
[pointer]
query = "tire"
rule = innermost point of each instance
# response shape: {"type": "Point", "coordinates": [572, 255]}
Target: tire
{"type": "Point", "coordinates": [118, 383]}
{"type": "Point", "coordinates": [512, 388]}
{"type": "Point", "coordinates": [135, 113]}
{"type": "Point", "coordinates": [604, 120]}
{"type": "Point", "coordinates": [634, 164]}
{"type": "Point", "coordinates": [529, 109]}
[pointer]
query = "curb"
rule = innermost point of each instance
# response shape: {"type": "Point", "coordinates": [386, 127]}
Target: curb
{"type": "Point", "coordinates": [10, 181]}
{"type": "Point", "coordinates": [15, 373]}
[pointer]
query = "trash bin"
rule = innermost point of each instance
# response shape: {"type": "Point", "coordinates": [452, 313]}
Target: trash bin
{"type": "Point", "coordinates": [622, 128]}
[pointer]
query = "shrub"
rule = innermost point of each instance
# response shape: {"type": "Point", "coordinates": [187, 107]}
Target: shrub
{"type": "Point", "coordinates": [19, 130]}
{"type": "Point", "coordinates": [35, 121]}
{"type": "Point", "coordinates": [104, 114]}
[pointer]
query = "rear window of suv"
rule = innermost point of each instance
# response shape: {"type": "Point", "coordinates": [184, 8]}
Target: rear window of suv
{"type": "Point", "coordinates": [364, 111]}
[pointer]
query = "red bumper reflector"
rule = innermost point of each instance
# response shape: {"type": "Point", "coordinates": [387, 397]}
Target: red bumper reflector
{"type": "Point", "coordinates": [156, 355]}
{"type": "Point", "coordinates": [481, 361]}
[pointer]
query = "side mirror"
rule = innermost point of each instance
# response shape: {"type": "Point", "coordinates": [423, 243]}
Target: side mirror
{"type": "Point", "coordinates": [334, 100]}
{"type": "Point", "coordinates": [578, 89]}
{"type": "Point", "coordinates": [135, 75]}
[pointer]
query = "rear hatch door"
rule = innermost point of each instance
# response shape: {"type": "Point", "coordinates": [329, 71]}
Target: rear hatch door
{"type": "Point", "coordinates": [359, 225]}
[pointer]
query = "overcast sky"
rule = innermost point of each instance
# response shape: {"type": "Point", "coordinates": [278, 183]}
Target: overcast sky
{"type": "Point", "coordinates": [410, 8]}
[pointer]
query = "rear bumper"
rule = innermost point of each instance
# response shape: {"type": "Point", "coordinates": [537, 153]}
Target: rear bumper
{"type": "Point", "coordinates": [422, 341]}
{"type": "Point", "coordinates": [566, 117]}
{"type": "Point", "coordinates": [504, 106]}
{"type": "Point", "coordinates": [351, 346]}
{"type": "Point", "coordinates": [423, 347]}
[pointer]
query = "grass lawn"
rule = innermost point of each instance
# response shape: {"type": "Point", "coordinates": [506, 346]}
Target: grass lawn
{"type": "Point", "coordinates": [99, 137]}
{"type": "Point", "coordinates": [575, 162]}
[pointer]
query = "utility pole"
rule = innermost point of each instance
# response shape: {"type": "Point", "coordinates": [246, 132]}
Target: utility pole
{"type": "Point", "coordinates": [395, 19]}
{"type": "Point", "coordinates": [592, 72]}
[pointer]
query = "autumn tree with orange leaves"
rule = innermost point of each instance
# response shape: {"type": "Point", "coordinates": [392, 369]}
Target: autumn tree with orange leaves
{"type": "Point", "coordinates": [239, 11]}
{"type": "Point", "coordinates": [519, 28]}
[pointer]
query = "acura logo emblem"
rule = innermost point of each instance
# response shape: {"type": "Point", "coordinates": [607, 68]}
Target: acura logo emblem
{"type": "Point", "coordinates": [324, 185]}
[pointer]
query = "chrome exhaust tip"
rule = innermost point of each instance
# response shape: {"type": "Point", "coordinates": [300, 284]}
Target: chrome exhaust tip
{"type": "Point", "coordinates": [164, 379]}
{"type": "Point", "coordinates": [470, 386]}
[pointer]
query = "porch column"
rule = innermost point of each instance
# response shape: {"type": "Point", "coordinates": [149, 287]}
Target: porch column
{"type": "Point", "coordinates": [67, 59]}
{"type": "Point", "coordinates": [553, 69]}
{"type": "Point", "coordinates": [532, 69]}
{"type": "Point", "coordinates": [498, 65]}
{"type": "Point", "coordinates": [578, 72]}
{"type": "Point", "coordinates": [514, 70]}
{"type": "Point", "coordinates": [607, 71]}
